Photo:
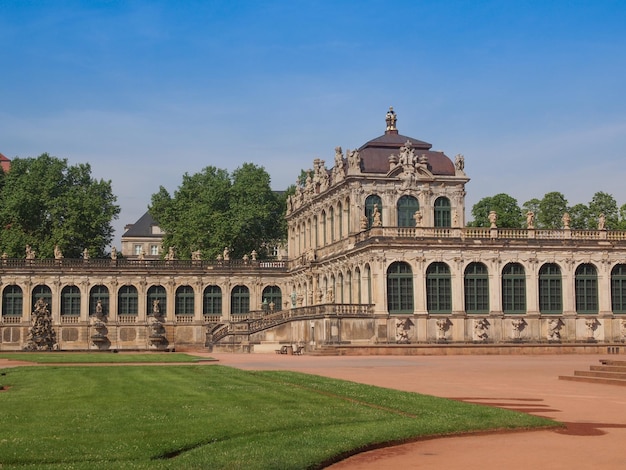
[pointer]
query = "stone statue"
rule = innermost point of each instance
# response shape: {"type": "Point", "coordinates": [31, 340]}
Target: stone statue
{"type": "Point", "coordinates": [113, 253]}
{"type": "Point", "coordinates": [226, 254]}
{"type": "Point", "coordinates": [156, 307]}
{"type": "Point", "coordinates": [530, 219]}
{"type": "Point", "coordinates": [417, 216]}
{"type": "Point", "coordinates": [566, 219]}
{"type": "Point", "coordinates": [354, 160]}
{"type": "Point", "coordinates": [403, 326]}
{"type": "Point", "coordinates": [196, 255]}
{"type": "Point", "coordinates": [86, 254]}
{"type": "Point", "coordinates": [601, 222]}
{"type": "Point", "coordinates": [30, 254]}
{"type": "Point", "coordinates": [294, 298]}
{"type": "Point", "coordinates": [493, 218]}
{"type": "Point", "coordinates": [57, 252]}
{"type": "Point", "coordinates": [363, 222]}
{"type": "Point", "coordinates": [391, 119]}
{"type": "Point", "coordinates": [171, 255]}
{"type": "Point", "coordinates": [41, 335]}
{"type": "Point", "coordinates": [517, 325]}
{"type": "Point", "coordinates": [459, 163]}
{"type": "Point", "coordinates": [330, 296]}
{"type": "Point", "coordinates": [443, 324]}
{"type": "Point", "coordinates": [254, 254]}
{"type": "Point", "coordinates": [480, 329]}
{"type": "Point", "coordinates": [376, 219]}
{"type": "Point", "coordinates": [99, 307]}
{"type": "Point", "coordinates": [554, 329]}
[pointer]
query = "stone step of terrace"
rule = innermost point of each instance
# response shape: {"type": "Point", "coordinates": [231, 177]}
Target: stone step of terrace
{"type": "Point", "coordinates": [612, 372]}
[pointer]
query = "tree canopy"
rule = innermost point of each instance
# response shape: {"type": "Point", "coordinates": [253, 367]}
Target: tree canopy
{"type": "Point", "coordinates": [509, 213]}
{"type": "Point", "coordinates": [212, 210]}
{"type": "Point", "coordinates": [45, 202]}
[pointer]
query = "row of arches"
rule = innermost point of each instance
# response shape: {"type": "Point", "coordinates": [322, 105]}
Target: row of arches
{"type": "Point", "coordinates": [128, 299]}
{"type": "Point", "coordinates": [513, 289]}
{"type": "Point", "coordinates": [333, 223]}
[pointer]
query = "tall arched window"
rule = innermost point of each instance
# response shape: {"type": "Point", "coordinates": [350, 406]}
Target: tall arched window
{"type": "Point", "coordinates": [348, 223]}
{"type": "Point", "coordinates": [157, 300]}
{"type": "Point", "coordinates": [331, 222]}
{"type": "Point", "coordinates": [339, 221]}
{"type": "Point", "coordinates": [476, 288]}
{"type": "Point", "coordinates": [273, 294]}
{"type": "Point", "coordinates": [315, 236]}
{"type": "Point", "coordinates": [212, 301]}
{"type": "Point", "coordinates": [12, 301]}
{"type": "Point", "coordinates": [98, 293]}
{"type": "Point", "coordinates": [442, 212]}
{"type": "Point", "coordinates": [438, 288]}
{"type": "Point", "coordinates": [239, 300]}
{"type": "Point", "coordinates": [44, 293]}
{"type": "Point", "coordinates": [70, 301]}
{"type": "Point", "coordinates": [550, 290]}
{"type": "Point", "coordinates": [357, 280]}
{"type": "Point", "coordinates": [127, 301]}
{"type": "Point", "coordinates": [586, 286]}
{"type": "Point", "coordinates": [618, 288]}
{"type": "Point", "coordinates": [407, 206]}
{"type": "Point", "coordinates": [399, 288]}
{"type": "Point", "coordinates": [323, 228]}
{"type": "Point", "coordinates": [184, 301]}
{"type": "Point", "coordinates": [349, 298]}
{"type": "Point", "coordinates": [513, 288]}
{"type": "Point", "coordinates": [371, 202]}
{"type": "Point", "coordinates": [340, 299]}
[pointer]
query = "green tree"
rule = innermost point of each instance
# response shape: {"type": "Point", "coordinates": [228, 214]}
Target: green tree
{"type": "Point", "coordinates": [506, 207]}
{"type": "Point", "coordinates": [255, 212]}
{"type": "Point", "coordinates": [622, 217]}
{"type": "Point", "coordinates": [196, 217]}
{"type": "Point", "coordinates": [603, 203]}
{"type": "Point", "coordinates": [212, 210]}
{"type": "Point", "coordinates": [45, 203]}
{"type": "Point", "coordinates": [551, 210]}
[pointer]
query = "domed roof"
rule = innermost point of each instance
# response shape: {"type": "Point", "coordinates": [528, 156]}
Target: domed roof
{"type": "Point", "coordinates": [375, 153]}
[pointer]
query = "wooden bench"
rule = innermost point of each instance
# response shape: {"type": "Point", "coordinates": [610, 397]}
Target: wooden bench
{"type": "Point", "coordinates": [298, 350]}
{"type": "Point", "coordinates": [282, 350]}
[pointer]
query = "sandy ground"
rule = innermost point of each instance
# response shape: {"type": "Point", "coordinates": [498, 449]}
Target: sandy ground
{"type": "Point", "coordinates": [595, 414]}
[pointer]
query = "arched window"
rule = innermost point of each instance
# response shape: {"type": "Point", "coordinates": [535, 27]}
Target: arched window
{"type": "Point", "coordinates": [371, 202]}
{"type": "Point", "coordinates": [438, 288]}
{"type": "Point", "coordinates": [339, 221]}
{"type": "Point", "coordinates": [407, 206]}
{"type": "Point", "coordinates": [368, 280]}
{"type": "Point", "coordinates": [348, 224]}
{"type": "Point", "coordinates": [586, 287]}
{"type": "Point", "coordinates": [340, 299]}
{"type": "Point", "coordinates": [273, 294]}
{"type": "Point", "coordinates": [357, 280]}
{"type": "Point", "coordinates": [476, 288]}
{"type": "Point", "coordinates": [349, 298]}
{"type": "Point", "coordinates": [618, 288]}
{"type": "Point", "coordinates": [315, 236]}
{"type": "Point", "coordinates": [550, 291]}
{"type": "Point", "coordinates": [212, 301]}
{"type": "Point", "coordinates": [184, 301]}
{"type": "Point", "coordinates": [323, 221]}
{"type": "Point", "coordinates": [12, 301]}
{"type": "Point", "coordinates": [70, 301]}
{"type": "Point", "coordinates": [44, 293]}
{"type": "Point", "coordinates": [331, 222]}
{"type": "Point", "coordinates": [99, 293]}
{"type": "Point", "coordinates": [442, 212]}
{"type": "Point", "coordinates": [157, 300]}
{"type": "Point", "coordinates": [399, 288]}
{"type": "Point", "coordinates": [513, 288]}
{"type": "Point", "coordinates": [127, 301]}
{"type": "Point", "coordinates": [239, 300]}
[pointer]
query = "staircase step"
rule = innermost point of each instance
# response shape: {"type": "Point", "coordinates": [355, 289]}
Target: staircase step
{"type": "Point", "coordinates": [613, 362]}
{"type": "Point", "coordinates": [596, 380]}
{"type": "Point", "coordinates": [600, 374]}
{"type": "Point", "coordinates": [608, 368]}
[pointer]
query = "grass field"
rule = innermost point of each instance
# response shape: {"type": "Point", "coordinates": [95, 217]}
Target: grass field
{"type": "Point", "coordinates": [212, 417]}
{"type": "Point", "coordinates": [96, 357]}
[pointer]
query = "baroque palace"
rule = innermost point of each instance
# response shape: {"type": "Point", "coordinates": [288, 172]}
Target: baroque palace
{"type": "Point", "coordinates": [378, 258]}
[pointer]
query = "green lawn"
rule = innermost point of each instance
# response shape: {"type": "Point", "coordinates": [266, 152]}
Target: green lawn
{"type": "Point", "coordinates": [212, 417]}
{"type": "Point", "coordinates": [96, 357]}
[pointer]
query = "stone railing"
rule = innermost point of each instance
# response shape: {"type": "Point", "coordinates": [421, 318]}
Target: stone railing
{"type": "Point", "coordinates": [126, 319]}
{"type": "Point", "coordinates": [249, 325]}
{"type": "Point", "coordinates": [11, 319]}
{"type": "Point", "coordinates": [70, 319]}
{"type": "Point", "coordinates": [134, 264]}
{"type": "Point", "coordinates": [184, 318]}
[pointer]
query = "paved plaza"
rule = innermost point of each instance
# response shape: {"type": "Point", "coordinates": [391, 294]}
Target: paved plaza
{"type": "Point", "coordinates": [595, 414]}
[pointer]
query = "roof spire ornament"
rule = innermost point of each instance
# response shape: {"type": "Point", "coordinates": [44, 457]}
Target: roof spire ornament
{"type": "Point", "coordinates": [391, 121]}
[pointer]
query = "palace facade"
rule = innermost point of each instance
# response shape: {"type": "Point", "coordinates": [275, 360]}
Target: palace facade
{"type": "Point", "coordinates": [378, 255]}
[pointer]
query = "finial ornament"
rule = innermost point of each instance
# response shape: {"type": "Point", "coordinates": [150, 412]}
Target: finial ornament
{"type": "Point", "coordinates": [391, 119]}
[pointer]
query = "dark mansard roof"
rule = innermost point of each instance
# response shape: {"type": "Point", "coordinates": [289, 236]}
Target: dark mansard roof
{"type": "Point", "coordinates": [375, 153]}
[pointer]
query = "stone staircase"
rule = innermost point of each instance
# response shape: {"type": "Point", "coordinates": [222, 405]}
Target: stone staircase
{"type": "Point", "coordinates": [612, 372]}
{"type": "Point", "coordinates": [325, 350]}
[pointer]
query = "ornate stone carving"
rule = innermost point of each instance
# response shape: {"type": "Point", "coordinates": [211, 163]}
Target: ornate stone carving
{"type": "Point", "coordinates": [554, 329]}
{"type": "Point", "coordinates": [481, 329]}
{"type": "Point", "coordinates": [403, 327]}
{"type": "Point", "coordinates": [517, 326]}
{"type": "Point", "coordinates": [443, 325]}
{"type": "Point", "coordinates": [41, 335]}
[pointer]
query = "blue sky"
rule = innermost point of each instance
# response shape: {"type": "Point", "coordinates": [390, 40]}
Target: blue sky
{"type": "Point", "coordinates": [531, 92]}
